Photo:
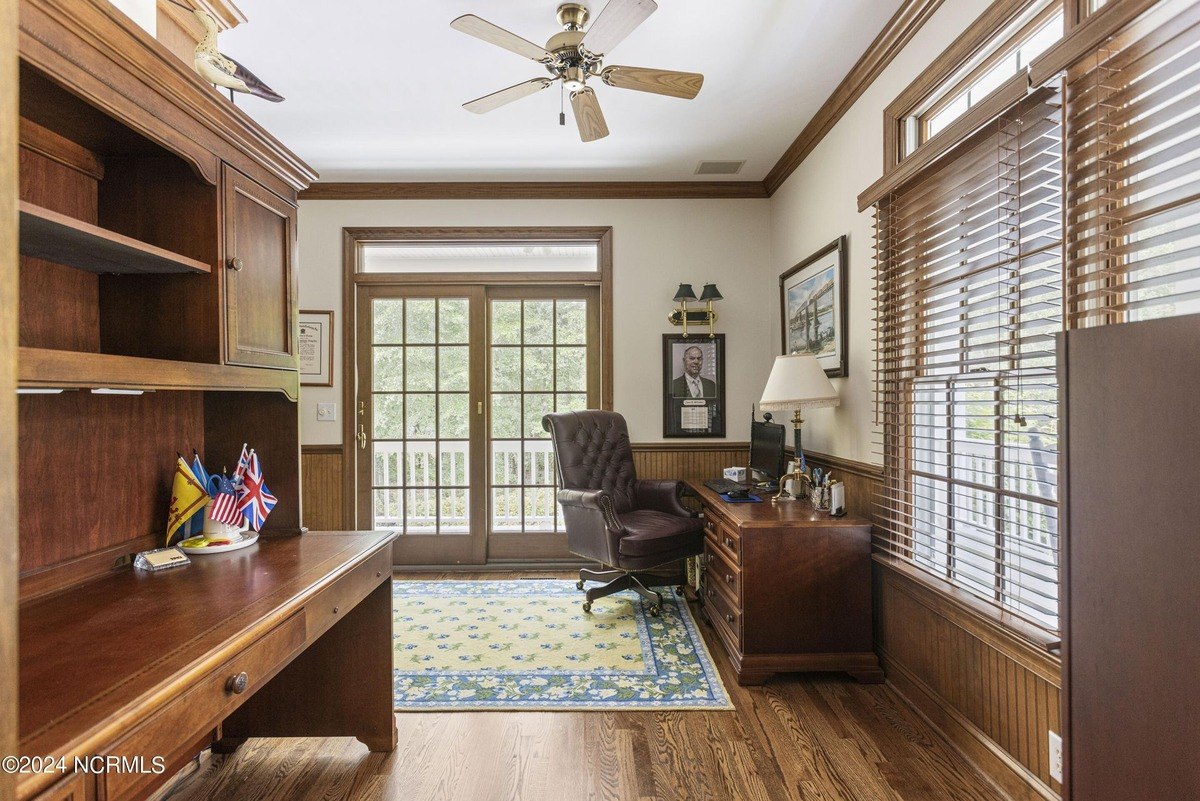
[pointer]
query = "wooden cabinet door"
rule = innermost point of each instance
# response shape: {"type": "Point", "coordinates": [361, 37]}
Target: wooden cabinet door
{"type": "Point", "coordinates": [260, 275]}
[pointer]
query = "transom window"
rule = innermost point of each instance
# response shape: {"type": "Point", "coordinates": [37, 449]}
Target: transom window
{"type": "Point", "coordinates": [1007, 55]}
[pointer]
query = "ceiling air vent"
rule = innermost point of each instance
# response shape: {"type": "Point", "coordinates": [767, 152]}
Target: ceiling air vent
{"type": "Point", "coordinates": [720, 167]}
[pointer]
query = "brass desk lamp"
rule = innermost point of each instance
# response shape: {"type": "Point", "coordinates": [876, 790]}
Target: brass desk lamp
{"type": "Point", "coordinates": [797, 382]}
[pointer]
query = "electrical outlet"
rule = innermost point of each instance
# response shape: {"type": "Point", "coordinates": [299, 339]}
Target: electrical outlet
{"type": "Point", "coordinates": [327, 412]}
{"type": "Point", "coordinates": [1056, 757]}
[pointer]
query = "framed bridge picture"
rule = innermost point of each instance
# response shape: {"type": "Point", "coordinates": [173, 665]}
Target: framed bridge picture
{"type": "Point", "coordinates": [812, 296]}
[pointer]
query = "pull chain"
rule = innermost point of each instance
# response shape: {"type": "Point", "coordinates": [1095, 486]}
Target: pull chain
{"type": "Point", "coordinates": [562, 104]}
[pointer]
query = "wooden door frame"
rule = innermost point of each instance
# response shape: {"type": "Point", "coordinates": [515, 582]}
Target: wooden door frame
{"type": "Point", "coordinates": [353, 241]}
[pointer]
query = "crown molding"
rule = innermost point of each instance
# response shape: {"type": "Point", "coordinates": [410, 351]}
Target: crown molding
{"type": "Point", "coordinates": [900, 29]}
{"type": "Point", "coordinates": [534, 190]}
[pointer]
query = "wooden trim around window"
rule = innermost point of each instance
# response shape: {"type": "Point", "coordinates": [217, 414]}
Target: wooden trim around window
{"type": "Point", "coordinates": [999, 15]}
{"type": "Point", "coordinates": [899, 30]}
{"type": "Point", "coordinates": [535, 190]}
{"type": "Point", "coordinates": [354, 238]}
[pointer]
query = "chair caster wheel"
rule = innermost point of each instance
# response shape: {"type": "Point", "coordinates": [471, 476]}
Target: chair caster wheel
{"type": "Point", "coordinates": [579, 584]}
{"type": "Point", "coordinates": [587, 606]}
{"type": "Point", "coordinates": [654, 610]}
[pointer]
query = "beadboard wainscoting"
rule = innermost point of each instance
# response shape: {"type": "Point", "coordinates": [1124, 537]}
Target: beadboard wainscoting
{"type": "Point", "coordinates": [994, 694]}
{"type": "Point", "coordinates": [321, 477]}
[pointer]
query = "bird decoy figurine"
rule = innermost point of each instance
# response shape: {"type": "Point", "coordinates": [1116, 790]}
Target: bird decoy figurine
{"type": "Point", "coordinates": [218, 68]}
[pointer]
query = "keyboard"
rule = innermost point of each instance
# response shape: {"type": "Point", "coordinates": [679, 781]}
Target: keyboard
{"type": "Point", "coordinates": [723, 485]}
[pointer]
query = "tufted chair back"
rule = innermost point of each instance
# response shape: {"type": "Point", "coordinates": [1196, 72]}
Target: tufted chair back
{"type": "Point", "coordinates": [594, 454]}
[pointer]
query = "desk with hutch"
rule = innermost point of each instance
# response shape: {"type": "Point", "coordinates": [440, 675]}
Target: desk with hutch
{"type": "Point", "coordinates": [787, 588]}
{"type": "Point", "coordinates": [157, 241]}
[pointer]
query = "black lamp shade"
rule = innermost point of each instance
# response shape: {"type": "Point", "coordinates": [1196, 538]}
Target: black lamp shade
{"type": "Point", "coordinates": [710, 293]}
{"type": "Point", "coordinates": [685, 292]}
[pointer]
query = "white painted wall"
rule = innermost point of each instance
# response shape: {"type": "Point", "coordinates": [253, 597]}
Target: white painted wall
{"type": "Point", "coordinates": [657, 244]}
{"type": "Point", "coordinates": [819, 202]}
{"type": "Point", "coordinates": [143, 12]}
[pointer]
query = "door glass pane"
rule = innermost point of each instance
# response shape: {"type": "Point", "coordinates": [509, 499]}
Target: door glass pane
{"type": "Point", "coordinates": [539, 365]}
{"type": "Point", "coordinates": [421, 415]}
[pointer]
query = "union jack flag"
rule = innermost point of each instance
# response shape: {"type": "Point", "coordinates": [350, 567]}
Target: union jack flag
{"type": "Point", "coordinates": [224, 506]}
{"type": "Point", "coordinates": [240, 471]}
{"type": "Point", "coordinates": [256, 501]}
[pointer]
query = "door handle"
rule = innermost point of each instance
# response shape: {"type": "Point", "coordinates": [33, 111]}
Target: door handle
{"type": "Point", "coordinates": [362, 436]}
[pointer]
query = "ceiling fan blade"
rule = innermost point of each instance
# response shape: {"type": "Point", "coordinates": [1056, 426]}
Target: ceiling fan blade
{"type": "Point", "coordinates": [588, 115]}
{"type": "Point", "coordinates": [482, 105]}
{"type": "Point", "coordinates": [616, 21]}
{"type": "Point", "coordinates": [482, 29]}
{"type": "Point", "coordinates": [661, 82]}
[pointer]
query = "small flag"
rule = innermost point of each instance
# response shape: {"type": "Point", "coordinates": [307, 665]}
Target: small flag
{"type": "Point", "coordinates": [196, 523]}
{"type": "Point", "coordinates": [239, 471]}
{"type": "Point", "coordinates": [187, 498]}
{"type": "Point", "coordinates": [224, 508]}
{"type": "Point", "coordinates": [256, 501]}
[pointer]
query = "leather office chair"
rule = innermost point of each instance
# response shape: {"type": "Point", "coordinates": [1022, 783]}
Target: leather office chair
{"type": "Point", "coordinates": [627, 525]}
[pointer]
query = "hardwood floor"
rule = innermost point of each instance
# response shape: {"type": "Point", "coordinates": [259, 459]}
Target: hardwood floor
{"type": "Point", "coordinates": [815, 737]}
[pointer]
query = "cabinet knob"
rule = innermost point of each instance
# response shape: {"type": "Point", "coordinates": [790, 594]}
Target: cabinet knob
{"type": "Point", "coordinates": [728, 543]}
{"type": "Point", "coordinates": [728, 578]}
{"type": "Point", "coordinates": [237, 684]}
{"type": "Point", "coordinates": [729, 619]}
{"type": "Point", "coordinates": [336, 609]}
{"type": "Point", "coordinates": [236, 264]}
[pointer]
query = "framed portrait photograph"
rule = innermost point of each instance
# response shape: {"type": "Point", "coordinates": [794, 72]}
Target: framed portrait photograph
{"type": "Point", "coordinates": [693, 385]}
{"type": "Point", "coordinates": [315, 348]}
{"type": "Point", "coordinates": [812, 296]}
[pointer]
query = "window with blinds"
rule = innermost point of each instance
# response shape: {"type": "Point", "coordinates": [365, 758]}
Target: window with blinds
{"type": "Point", "coordinates": [1133, 156]}
{"type": "Point", "coordinates": [969, 299]}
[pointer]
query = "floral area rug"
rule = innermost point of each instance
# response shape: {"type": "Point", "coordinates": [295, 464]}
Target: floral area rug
{"type": "Point", "coordinates": [528, 644]}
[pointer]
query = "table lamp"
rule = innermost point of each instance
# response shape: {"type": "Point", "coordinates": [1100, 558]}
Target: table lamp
{"type": "Point", "coordinates": [797, 382]}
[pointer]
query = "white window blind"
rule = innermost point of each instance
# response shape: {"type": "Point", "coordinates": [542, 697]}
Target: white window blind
{"type": "Point", "coordinates": [1133, 157]}
{"type": "Point", "coordinates": [968, 301]}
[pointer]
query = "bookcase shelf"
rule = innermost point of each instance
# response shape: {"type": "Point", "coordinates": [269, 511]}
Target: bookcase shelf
{"type": "Point", "coordinates": [40, 368]}
{"type": "Point", "coordinates": [55, 237]}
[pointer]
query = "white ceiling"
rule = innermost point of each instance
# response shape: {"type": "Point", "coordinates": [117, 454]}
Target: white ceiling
{"type": "Point", "coordinates": [374, 88]}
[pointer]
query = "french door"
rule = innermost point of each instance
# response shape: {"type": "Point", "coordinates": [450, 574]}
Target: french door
{"type": "Point", "coordinates": [453, 382]}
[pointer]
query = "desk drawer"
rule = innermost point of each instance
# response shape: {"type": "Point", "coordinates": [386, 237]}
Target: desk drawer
{"type": "Point", "coordinates": [725, 537]}
{"type": "Point", "coordinates": [719, 570]}
{"type": "Point", "coordinates": [176, 728]}
{"type": "Point", "coordinates": [73, 788]}
{"type": "Point", "coordinates": [721, 611]}
{"type": "Point", "coordinates": [332, 603]}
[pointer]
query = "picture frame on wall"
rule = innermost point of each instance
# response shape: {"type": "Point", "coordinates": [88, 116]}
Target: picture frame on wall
{"type": "Point", "coordinates": [693, 386]}
{"type": "Point", "coordinates": [814, 308]}
{"type": "Point", "coordinates": [314, 348]}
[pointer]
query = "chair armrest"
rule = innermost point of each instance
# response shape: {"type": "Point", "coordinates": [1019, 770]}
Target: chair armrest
{"type": "Point", "coordinates": [595, 500]}
{"type": "Point", "coordinates": [661, 495]}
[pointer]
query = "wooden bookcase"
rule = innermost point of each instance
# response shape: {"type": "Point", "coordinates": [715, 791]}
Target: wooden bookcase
{"type": "Point", "coordinates": [157, 228]}
{"type": "Point", "coordinates": [155, 257]}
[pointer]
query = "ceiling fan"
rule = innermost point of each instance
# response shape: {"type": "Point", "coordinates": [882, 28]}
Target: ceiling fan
{"type": "Point", "coordinates": [574, 55]}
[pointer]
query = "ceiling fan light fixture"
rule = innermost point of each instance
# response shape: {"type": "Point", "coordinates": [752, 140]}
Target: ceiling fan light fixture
{"type": "Point", "coordinates": [574, 79]}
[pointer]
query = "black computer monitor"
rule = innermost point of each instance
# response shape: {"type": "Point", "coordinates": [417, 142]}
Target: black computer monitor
{"type": "Point", "coordinates": [766, 450]}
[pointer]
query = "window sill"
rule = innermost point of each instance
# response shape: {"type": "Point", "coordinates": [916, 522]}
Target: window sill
{"type": "Point", "coordinates": [984, 620]}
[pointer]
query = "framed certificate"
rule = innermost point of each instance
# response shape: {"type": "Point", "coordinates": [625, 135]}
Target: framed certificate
{"type": "Point", "coordinates": [315, 348]}
{"type": "Point", "coordinates": [693, 385]}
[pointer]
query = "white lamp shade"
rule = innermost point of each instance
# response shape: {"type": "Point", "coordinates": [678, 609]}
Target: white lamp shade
{"type": "Point", "coordinates": [797, 381]}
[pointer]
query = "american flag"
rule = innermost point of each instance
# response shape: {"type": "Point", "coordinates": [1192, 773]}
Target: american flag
{"type": "Point", "coordinates": [224, 506]}
{"type": "Point", "coordinates": [256, 501]}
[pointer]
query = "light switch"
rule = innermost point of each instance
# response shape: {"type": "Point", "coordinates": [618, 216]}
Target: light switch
{"type": "Point", "coordinates": [327, 412]}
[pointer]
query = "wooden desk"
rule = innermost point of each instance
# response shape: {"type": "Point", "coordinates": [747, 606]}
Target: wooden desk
{"type": "Point", "coordinates": [787, 588]}
{"type": "Point", "coordinates": [147, 664]}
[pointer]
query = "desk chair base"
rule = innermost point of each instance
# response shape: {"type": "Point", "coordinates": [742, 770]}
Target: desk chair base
{"type": "Point", "coordinates": [620, 580]}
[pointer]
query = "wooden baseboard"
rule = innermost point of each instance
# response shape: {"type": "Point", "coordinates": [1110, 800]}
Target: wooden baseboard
{"type": "Point", "coordinates": [1009, 776]}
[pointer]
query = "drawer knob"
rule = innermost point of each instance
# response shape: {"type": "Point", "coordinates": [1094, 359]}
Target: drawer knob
{"type": "Point", "coordinates": [728, 542]}
{"type": "Point", "coordinates": [237, 684]}
{"type": "Point", "coordinates": [710, 592]}
{"type": "Point", "coordinates": [378, 573]}
{"type": "Point", "coordinates": [728, 578]}
{"type": "Point", "coordinates": [236, 264]}
{"type": "Point", "coordinates": [335, 609]}
{"type": "Point", "coordinates": [729, 619]}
